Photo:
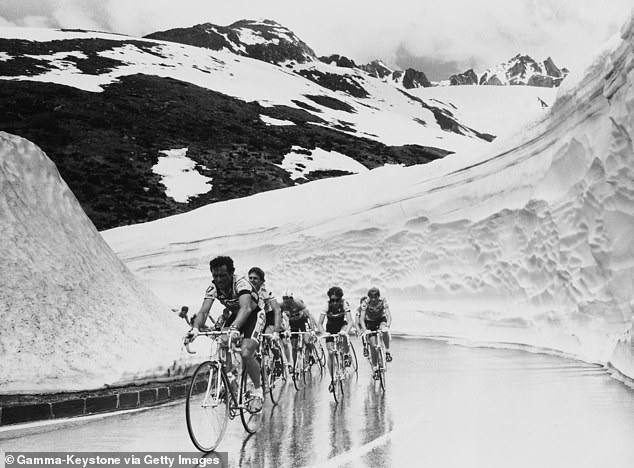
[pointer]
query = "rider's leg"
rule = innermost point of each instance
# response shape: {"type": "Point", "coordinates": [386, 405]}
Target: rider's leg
{"type": "Point", "coordinates": [248, 349]}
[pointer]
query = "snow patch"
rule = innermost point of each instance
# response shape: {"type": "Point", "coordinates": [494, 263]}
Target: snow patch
{"type": "Point", "coordinates": [272, 121]}
{"type": "Point", "coordinates": [179, 175]}
{"type": "Point", "coordinates": [301, 161]}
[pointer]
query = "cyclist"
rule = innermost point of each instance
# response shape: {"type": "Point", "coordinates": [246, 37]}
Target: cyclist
{"type": "Point", "coordinates": [375, 315]}
{"type": "Point", "coordinates": [299, 317]}
{"type": "Point", "coordinates": [274, 324]}
{"type": "Point", "coordinates": [337, 311]}
{"type": "Point", "coordinates": [241, 300]}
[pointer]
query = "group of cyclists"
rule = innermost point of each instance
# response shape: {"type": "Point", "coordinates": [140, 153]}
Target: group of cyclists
{"type": "Point", "coordinates": [251, 308]}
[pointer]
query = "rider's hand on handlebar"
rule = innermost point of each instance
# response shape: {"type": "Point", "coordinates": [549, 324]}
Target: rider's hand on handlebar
{"type": "Point", "coordinates": [234, 333]}
{"type": "Point", "coordinates": [276, 335]}
{"type": "Point", "coordinates": [191, 335]}
{"type": "Point", "coordinates": [343, 333]}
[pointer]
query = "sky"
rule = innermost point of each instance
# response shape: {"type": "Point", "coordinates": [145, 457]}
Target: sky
{"type": "Point", "coordinates": [438, 38]}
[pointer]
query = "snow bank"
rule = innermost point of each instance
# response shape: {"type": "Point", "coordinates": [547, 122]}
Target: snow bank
{"type": "Point", "coordinates": [73, 317]}
{"type": "Point", "coordinates": [526, 242]}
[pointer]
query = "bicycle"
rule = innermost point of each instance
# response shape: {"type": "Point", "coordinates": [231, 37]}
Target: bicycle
{"type": "Point", "coordinates": [274, 372]}
{"type": "Point", "coordinates": [379, 347]}
{"type": "Point", "coordinates": [306, 355]}
{"type": "Point", "coordinates": [340, 364]}
{"type": "Point", "coordinates": [212, 398]}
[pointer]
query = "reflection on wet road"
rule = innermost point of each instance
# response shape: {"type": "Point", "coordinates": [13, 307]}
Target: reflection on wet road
{"type": "Point", "coordinates": [445, 405]}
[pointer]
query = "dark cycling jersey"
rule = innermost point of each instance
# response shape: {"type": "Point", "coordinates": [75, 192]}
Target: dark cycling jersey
{"type": "Point", "coordinates": [231, 300]}
{"type": "Point", "coordinates": [374, 310]}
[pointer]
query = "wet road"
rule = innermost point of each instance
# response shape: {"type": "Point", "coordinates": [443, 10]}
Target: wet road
{"type": "Point", "coordinates": [445, 406]}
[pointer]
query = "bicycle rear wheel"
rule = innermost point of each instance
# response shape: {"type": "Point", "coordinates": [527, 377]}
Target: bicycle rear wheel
{"type": "Point", "coordinates": [206, 408]}
{"type": "Point", "coordinates": [277, 377]}
{"type": "Point", "coordinates": [250, 414]}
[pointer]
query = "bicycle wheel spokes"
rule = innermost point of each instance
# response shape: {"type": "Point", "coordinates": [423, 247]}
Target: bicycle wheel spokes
{"type": "Point", "coordinates": [336, 384]}
{"type": "Point", "coordinates": [250, 411]}
{"type": "Point", "coordinates": [299, 379]}
{"type": "Point", "coordinates": [382, 367]}
{"type": "Point", "coordinates": [277, 379]}
{"type": "Point", "coordinates": [353, 357]}
{"type": "Point", "coordinates": [206, 408]}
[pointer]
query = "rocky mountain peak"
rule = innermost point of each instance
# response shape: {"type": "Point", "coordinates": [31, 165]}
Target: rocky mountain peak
{"type": "Point", "coordinates": [264, 40]}
{"type": "Point", "coordinates": [519, 70]}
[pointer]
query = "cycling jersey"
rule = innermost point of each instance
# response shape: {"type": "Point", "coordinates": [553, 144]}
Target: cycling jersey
{"type": "Point", "coordinates": [231, 300]}
{"type": "Point", "coordinates": [266, 298]}
{"type": "Point", "coordinates": [335, 312]}
{"type": "Point", "coordinates": [374, 312]}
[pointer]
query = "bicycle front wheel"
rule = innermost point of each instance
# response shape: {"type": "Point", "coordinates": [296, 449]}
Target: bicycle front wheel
{"type": "Point", "coordinates": [206, 408]}
{"type": "Point", "coordinates": [353, 358]}
{"type": "Point", "coordinates": [277, 378]}
{"type": "Point", "coordinates": [299, 375]}
{"type": "Point", "coordinates": [336, 384]}
{"type": "Point", "coordinates": [381, 367]}
{"type": "Point", "coordinates": [250, 411]}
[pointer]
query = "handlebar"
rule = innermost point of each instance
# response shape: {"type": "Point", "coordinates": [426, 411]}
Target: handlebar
{"type": "Point", "coordinates": [211, 334]}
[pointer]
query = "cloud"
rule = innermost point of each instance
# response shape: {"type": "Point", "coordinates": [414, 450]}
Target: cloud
{"type": "Point", "coordinates": [457, 34]}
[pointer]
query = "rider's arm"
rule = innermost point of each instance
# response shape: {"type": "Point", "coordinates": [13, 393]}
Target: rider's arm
{"type": "Point", "coordinates": [322, 317]}
{"type": "Point", "coordinates": [203, 313]}
{"type": "Point", "coordinates": [388, 314]}
{"type": "Point", "coordinates": [362, 320]}
{"type": "Point", "coordinates": [277, 310]}
{"type": "Point", "coordinates": [314, 323]}
{"type": "Point", "coordinates": [247, 305]}
{"type": "Point", "coordinates": [348, 316]}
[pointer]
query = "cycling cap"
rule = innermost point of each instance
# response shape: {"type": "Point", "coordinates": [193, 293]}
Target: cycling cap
{"type": "Point", "coordinates": [373, 291]}
{"type": "Point", "coordinates": [287, 293]}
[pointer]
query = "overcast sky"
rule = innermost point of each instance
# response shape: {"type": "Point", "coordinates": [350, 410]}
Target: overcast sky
{"type": "Point", "coordinates": [438, 37]}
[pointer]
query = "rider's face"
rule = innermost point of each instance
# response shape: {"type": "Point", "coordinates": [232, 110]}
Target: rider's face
{"type": "Point", "coordinates": [221, 277]}
{"type": "Point", "coordinates": [255, 280]}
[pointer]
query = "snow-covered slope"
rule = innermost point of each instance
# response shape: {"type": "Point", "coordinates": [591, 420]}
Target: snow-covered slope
{"type": "Point", "coordinates": [347, 100]}
{"type": "Point", "coordinates": [73, 317]}
{"type": "Point", "coordinates": [527, 243]}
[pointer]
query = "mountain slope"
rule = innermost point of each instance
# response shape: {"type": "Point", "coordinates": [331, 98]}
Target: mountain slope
{"type": "Point", "coordinates": [109, 104]}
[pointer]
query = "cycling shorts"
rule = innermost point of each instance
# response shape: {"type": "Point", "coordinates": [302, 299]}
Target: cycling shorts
{"type": "Point", "coordinates": [334, 326]}
{"type": "Point", "coordinates": [374, 325]}
{"type": "Point", "coordinates": [248, 328]}
{"type": "Point", "coordinates": [299, 325]}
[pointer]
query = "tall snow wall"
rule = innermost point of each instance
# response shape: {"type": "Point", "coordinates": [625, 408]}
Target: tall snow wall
{"type": "Point", "coordinates": [72, 316]}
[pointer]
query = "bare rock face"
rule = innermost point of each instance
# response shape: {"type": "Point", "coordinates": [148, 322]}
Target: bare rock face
{"type": "Point", "coordinates": [339, 60]}
{"type": "Point", "coordinates": [467, 78]}
{"type": "Point", "coordinates": [267, 40]}
{"type": "Point", "coordinates": [491, 81]}
{"type": "Point", "coordinates": [377, 69]}
{"type": "Point", "coordinates": [551, 68]}
{"type": "Point", "coordinates": [415, 79]}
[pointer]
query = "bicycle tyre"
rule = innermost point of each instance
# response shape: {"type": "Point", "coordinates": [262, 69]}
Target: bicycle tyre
{"type": "Point", "coordinates": [337, 378]}
{"type": "Point", "coordinates": [299, 377]}
{"type": "Point", "coordinates": [276, 383]}
{"type": "Point", "coordinates": [207, 419]}
{"type": "Point", "coordinates": [353, 357]}
{"type": "Point", "coordinates": [321, 354]}
{"type": "Point", "coordinates": [251, 419]}
{"type": "Point", "coordinates": [382, 367]}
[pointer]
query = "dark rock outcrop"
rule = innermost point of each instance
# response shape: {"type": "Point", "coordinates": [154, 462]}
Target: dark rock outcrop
{"type": "Point", "coordinates": [466, 78]}
{"type": "Point", "coordinates": [377, 69]}
{"type": "Point", "coordinates": [339, 60]}
{"type": "Point", "coordinates": [415, 79]}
